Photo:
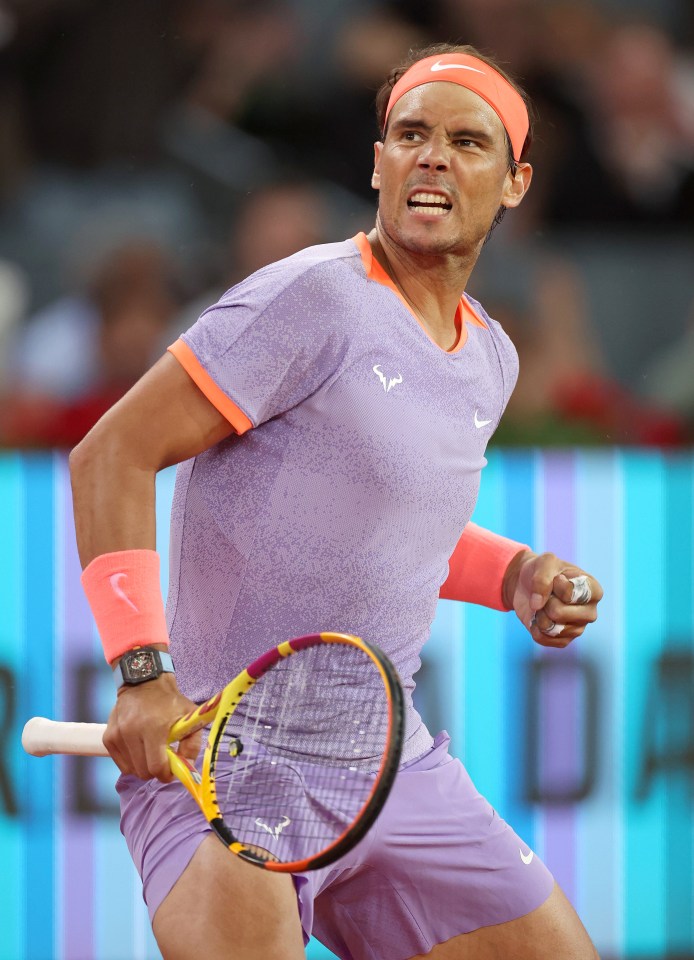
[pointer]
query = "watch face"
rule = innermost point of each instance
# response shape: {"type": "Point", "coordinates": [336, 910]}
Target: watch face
{"type": "Point", "coordinates": [141, 665]}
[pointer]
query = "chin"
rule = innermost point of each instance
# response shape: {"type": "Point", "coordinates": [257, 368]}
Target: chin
{"type": "Point", "coordinates": [424, 237]}
{"type": "Point", "coordinates": [421, 242]}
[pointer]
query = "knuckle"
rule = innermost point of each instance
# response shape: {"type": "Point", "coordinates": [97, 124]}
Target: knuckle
{"type": "Point", "coordinates": [162, 773]}
{"type": "Point", "coordinates": [554, 609]}
{"type": "Point", "coordinates": [113, 742]}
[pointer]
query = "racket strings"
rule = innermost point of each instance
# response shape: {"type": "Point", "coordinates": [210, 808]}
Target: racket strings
{"type": "Point", "coordinates": [305, 706]}
{"type": "Point", "coordinates": [308, 740]}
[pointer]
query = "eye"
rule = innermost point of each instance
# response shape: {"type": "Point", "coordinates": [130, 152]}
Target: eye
{"type": "Point", "coordinates": [411, 136]}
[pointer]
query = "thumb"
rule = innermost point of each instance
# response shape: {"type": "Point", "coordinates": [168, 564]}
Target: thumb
{"type": "Point", "coordinates": [540, 578]}
{"type": "Point", "coordinates": [537, 601]}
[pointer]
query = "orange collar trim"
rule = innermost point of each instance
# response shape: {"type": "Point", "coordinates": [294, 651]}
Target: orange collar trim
{"type": "Point", "coordinates": [465, 314]}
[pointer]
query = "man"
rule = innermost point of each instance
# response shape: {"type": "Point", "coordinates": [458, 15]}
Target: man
{"type": "Point", "coordinates": [332, 412]}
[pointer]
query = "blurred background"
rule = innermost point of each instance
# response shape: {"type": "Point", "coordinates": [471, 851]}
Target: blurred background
{"type": "Point", "coordinates": [153, 154]}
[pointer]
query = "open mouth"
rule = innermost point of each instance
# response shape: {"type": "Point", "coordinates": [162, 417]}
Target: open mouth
{"type": "Point", "coordinates": [429, 203]}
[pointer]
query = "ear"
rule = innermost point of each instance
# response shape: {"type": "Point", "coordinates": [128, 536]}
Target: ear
{"type": "Point", "coordinates": [516, 186]}
{"type": "Point", "coordinates": [376, 175]}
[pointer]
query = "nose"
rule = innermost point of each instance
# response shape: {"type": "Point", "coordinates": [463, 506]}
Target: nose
{"type": "Point", "coordinates": [434, 155]}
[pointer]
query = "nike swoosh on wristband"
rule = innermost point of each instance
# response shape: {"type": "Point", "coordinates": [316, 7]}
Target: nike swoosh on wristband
{"type": "Point", "coordinates": [480, 423]}
{"type": "Point", "coordinates": [115, 581]}
{"type": "Point", "coordinates": [435, 67]}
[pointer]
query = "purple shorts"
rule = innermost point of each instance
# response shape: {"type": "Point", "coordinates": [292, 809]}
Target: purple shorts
{"type": "Point", "coordinates": [438, 862]}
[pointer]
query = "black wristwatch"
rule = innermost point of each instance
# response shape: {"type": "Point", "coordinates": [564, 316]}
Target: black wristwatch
{"type": "Point", "coordinates": [141, 664]}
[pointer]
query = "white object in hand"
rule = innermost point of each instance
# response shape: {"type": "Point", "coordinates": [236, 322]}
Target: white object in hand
{"type": "Point", "coordinates": [42, 737]}
{"type": "Point", "coordinates": [581, 592]}
{"type": "Point", "coordinates": [554, 630]}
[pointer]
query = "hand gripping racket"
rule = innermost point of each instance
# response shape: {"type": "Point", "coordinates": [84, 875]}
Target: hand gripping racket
{"type": "Point", "coordinates": [301, 754]}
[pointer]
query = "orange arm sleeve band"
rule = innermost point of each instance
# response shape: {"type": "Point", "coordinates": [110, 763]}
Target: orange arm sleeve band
{"type": "Point", "coordinates": [477, 567]}
{"type": "Point", "coordinates": [125, 597]}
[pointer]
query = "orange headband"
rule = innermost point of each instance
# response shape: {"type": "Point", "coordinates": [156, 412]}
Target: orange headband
{"type": "Point", "coordinates": [477, 76]}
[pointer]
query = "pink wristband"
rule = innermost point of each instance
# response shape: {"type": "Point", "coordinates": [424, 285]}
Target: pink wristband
{"type": "Point", "coordinates": [125, 597]}
{"type": "Point", "coordinates": [477, 567]}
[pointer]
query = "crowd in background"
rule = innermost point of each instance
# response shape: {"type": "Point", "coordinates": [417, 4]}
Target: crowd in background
{"type": "Point", "coordinates": [153, 154]}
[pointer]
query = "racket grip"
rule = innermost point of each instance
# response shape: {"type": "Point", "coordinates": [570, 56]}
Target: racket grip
{"type": "Point", "coordinates": [42, 737]}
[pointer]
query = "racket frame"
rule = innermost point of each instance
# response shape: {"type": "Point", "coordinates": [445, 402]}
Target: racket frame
{"type": "Point", "coordinates": [217, 711]}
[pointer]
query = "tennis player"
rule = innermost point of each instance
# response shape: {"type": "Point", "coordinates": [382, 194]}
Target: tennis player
{"type": "Point", "coordinates": [331, 415]}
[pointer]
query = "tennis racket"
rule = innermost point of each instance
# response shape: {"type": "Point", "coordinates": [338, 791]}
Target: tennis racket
{"type": "Point", "coordinates": [302, 750]}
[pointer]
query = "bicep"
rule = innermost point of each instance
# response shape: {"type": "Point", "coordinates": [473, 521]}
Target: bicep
{"type": "Point", "coordinates": [164, 419]}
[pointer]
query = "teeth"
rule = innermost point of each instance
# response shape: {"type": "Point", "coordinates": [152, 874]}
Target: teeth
{"type": "Point", "coordinates": [429, 198]}
{"type": "Point", "coordinates": [432, 211]}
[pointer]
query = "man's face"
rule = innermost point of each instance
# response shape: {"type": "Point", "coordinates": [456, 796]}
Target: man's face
{"type": "Point", "coordinates": [443, 171]}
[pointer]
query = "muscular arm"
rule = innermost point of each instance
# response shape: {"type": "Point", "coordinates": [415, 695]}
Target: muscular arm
{"type": "Point", "coordinates": [164, 419]}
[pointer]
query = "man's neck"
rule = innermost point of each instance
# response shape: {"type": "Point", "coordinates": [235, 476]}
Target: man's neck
{"type": "Point", "coordinates": [431, 284]}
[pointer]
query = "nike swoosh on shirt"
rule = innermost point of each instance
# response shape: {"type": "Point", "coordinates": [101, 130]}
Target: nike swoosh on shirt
{"type": "Point", "coordinates": [435, 67]}
{"type": "Point", "coordinates": [480, 423]}
{"type": "Point", "coordinates": [526, 859]}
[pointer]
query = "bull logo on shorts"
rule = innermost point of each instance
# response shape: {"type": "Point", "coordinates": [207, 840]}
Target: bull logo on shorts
{"type": "Point", "coordinates": [277, 829]}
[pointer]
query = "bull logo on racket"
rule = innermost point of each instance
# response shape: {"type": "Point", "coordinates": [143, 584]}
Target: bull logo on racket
{"type": "Point", "coordinates": [277, 829]}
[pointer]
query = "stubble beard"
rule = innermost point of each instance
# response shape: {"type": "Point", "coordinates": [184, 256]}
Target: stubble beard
{"type": "Point", "coordinates": [457, 246]}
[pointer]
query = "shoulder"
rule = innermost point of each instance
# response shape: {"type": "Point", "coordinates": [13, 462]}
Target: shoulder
{"type": "Point", "coordinates": [310, 274]}
{"type": "Point", "coordinates": [294, 307]}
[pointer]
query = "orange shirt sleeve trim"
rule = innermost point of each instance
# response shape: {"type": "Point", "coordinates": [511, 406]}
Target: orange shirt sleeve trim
{"type": "Point", "coordinates": [190, 363]}
{"type": "Point", "coordinates": [365, 250]}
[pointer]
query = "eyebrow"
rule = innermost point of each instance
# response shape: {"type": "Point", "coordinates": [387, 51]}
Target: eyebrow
{"type": "Point", "coordinates": [464, 133]}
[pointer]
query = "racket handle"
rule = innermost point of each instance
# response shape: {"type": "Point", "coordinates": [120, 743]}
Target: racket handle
{"type": "Point", "coordinates": [42, 737]}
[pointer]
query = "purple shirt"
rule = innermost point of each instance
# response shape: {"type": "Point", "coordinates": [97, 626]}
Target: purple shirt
{"type": "Point", "coordinates": [339, 507]}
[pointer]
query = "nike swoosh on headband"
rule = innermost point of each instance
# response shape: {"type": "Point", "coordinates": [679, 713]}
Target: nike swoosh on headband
{"type": "Point", "coordinates": [435, 67]}
{"type": "Point", "coordinates": [483, 80]}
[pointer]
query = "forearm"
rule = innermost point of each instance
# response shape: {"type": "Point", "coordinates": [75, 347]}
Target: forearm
{"type": "Point", "coordinates": [113, 498]}
{"type": "Point", "coordinates": [114, 507]}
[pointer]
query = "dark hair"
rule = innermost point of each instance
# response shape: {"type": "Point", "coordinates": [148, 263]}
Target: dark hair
{"type": "Point", "coordinates": [440, 50]}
